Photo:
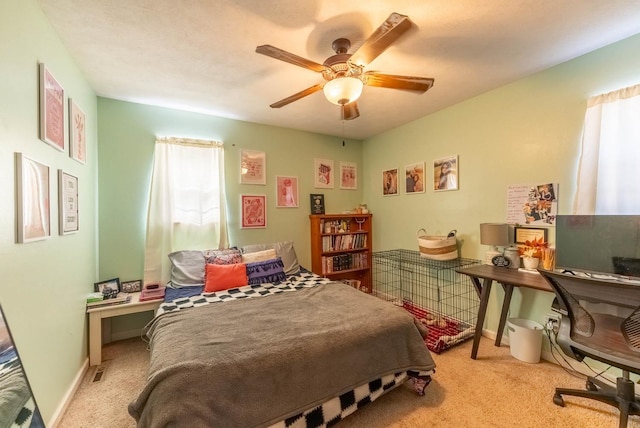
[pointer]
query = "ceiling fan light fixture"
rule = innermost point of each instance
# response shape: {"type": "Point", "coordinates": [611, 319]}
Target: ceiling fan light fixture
{"type": "Point", "coordinates": [343, 90]}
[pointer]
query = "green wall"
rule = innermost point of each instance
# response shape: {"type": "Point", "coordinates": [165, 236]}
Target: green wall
{"type": "Point", "coordinates": [44, 283]}
{"type": "Point", "coordinates": [523, 133]}
{"type": "Point", "coordinates": [127, 134]}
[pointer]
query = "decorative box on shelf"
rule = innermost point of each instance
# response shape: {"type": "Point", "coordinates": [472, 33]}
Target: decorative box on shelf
{"type": "Point", "coordinates": [152, 293]}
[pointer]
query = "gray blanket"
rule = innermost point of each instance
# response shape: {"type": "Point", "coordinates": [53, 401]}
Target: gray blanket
{"type": "Point", "coordinates": [254, 362]}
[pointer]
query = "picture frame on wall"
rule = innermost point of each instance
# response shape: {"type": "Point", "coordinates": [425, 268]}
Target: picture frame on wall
{"type": "Point", "coordinates": [287, 192]}
{"type": "Point", "coordinates": [77, 133]}
{"type": "Point", "coordinates": [446, 174]}
{"type": "Point", "coordinates": [67, 203]}
{"type": "Point", "coordinates": [414, 178]}
{"type": "Point", "coordinates": [323, 173]}
{"type": "Point", "coordinates": [51, 109]}
{"type": "Point", "coordinates": [253, 167]}
{"type": "Point", "coordinates": [348, 175]}
{"type": "Point", "coordinates": [317, 203]}
{"type": "Point", "coordinates": [390, 182]}
{"type": "Point", "coordinates": [33, 214]}
{"type": "Point", "coordinates": [254, 211]}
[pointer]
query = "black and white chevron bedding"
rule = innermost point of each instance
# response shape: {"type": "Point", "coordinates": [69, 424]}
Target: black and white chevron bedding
{"type": "Point", "coordinates": [329, 412]}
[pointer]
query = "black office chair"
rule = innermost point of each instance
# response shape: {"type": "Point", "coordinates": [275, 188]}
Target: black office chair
{"type": "Point", "coordinates": [600, 320]}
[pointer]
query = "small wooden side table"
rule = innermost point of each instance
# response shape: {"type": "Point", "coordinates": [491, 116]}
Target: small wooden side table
{"type": "Point", "coordinates": [96, 315]}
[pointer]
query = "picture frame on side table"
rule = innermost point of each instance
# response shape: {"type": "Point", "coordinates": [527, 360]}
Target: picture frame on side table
{"type": "Point", "coordinates": [51, 109]}
{"type": "Point", "coordinates": [390, 182]}
{"type": "Point", "coordinates": [323, 173]}
{"type": "Point", "coordinates": [287, 192]}
{"type": "Point", "coordinates": [414, 178]}
{"type": "Point", "coordinates": [112, 284]}
{"type": "Point", "coordinates": [254, 211]}
{"type": "Point", "coordinates": [253, 167]}
{"type": "Point", "coordinates": [77, 133]}
{"type": "Point", "coordinates": [524, 234]}
{"type": "Point", "coordinates": [446, 174]}
{"type": "Point", "coordinates": [33, 208]}
{"type": "Point", "coordinates": [131, 286]}
{"type": "Point", "coordinates": [67, 203]}
{"type": "Point", "coordinates": [348, 175]}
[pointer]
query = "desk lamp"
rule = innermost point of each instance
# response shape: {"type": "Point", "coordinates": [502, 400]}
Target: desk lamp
{"type": "Point", "coordinates": [496, 235]}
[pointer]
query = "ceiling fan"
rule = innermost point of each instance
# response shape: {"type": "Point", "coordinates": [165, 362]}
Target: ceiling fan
{"type": "Point", "coordinates": [344, 73]}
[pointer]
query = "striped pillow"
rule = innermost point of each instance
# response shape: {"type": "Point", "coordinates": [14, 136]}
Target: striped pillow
{"type": "Point", "coordinates": [266, 271]}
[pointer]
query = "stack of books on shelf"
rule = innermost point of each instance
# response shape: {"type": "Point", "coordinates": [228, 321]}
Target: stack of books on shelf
{"type": "Point", "coordinates": [97, 300]}
{"type": "Point", "coordinates": [344, 242]}
{"type": "Point", "coordinates": [344, 262]}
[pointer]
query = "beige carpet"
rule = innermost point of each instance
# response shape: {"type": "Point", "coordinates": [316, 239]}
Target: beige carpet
{"type": "Point", "coordinates": [496, 390]}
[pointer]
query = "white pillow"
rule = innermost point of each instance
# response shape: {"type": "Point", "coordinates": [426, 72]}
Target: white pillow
{"type": "Point", "coordinates": [259, 256]}
{"type": "Point", "coordinates": [284, 250]}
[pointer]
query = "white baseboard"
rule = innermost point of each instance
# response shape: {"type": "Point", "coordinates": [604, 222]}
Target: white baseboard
{"type": "Point", "coordinates": [66, 400]}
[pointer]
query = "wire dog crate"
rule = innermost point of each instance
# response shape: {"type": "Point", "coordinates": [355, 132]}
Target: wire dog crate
{"type": "Point", "coordinates": [430, 290]}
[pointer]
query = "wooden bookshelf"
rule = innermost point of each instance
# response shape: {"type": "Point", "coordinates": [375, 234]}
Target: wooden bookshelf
{"type": "Point", "coordinates": [341, 247]}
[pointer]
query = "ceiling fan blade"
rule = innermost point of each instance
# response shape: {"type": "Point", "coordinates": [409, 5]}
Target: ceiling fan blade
{"type": "Point", "coordinates": [285, 56]}
{"type": "Point", "coordinates": [297, 96]}
{"type": "Point", "coordinates": [349, 111]}
{"type": "Point", "coordinates": [390, 30]}
{"type": "Point", "coordinates": [409, 83]}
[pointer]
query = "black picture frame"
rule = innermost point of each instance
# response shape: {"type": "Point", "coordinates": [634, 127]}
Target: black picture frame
{"type": "Point", "coordinates": [111, 284]}
{"type": "Point", "coordinates": [131, 286]}
{"type": "Point", "coordinates": [523, 234]}
{"type": "Point", "coordinates": [317, 203]}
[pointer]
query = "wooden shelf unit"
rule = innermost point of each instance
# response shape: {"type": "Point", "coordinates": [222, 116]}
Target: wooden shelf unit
{"type": "Point", "coordinates": [341, 247]}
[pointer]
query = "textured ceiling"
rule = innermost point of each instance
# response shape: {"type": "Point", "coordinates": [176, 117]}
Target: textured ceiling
{"type": "Point", "coordinates": [199, 55]}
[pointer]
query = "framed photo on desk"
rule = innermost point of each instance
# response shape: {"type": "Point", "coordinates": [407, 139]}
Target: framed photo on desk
{"type": "Point", "coordinates": [524, 234]}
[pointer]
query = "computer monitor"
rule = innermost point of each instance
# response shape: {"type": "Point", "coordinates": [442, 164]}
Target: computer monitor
{"type": "Point", "coordinates": [608, 244]}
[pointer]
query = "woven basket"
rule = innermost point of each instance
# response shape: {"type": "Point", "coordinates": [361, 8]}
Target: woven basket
{"type": "Point", "coordinates": [438, 247]}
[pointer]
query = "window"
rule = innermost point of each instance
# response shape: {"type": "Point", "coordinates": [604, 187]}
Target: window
{"type": "Point", "coordinates": [609, 168]}
{"type": "Point", "coordinates": [187, 208]}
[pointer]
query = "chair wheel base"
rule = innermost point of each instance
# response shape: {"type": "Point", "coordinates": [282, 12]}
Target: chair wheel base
{"type": "Point", "coordinates": [558, 400]}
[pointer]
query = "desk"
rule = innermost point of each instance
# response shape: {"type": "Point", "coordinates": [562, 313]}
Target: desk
{"type": "Point", "coordinates": [96, 315]}
{"type": "Point", "coordinates": [508, 278]}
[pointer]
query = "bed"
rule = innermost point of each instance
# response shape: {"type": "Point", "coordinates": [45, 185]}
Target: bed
{"type": "Point", "coordinates": [299, 352]}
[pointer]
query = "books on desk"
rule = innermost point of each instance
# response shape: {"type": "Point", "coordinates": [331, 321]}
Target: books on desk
{"type": "Point", "coordinates": [118, 300]}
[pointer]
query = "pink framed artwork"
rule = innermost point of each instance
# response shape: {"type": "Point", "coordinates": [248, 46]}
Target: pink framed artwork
{"type": "Point", "coordinates": [348, 175]}
{"type": "Point", "coordinates": [77, 134]}
{"type": "Point", "coordinates": [254, 211]}
{"type": "Point", "coordinates": [51, 109]}
{"type": "Point", "coordinates": [253, 167]}
{"type": "Point", "coordinates": [323, 173]}
{"type": "Point", "coordinates": [287, 189]}
{"type": "Point", "coordinates": [33, 207]}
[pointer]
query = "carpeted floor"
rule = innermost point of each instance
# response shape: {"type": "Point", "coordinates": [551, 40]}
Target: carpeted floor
{"type": "Point", "coordinates": [496, 390]}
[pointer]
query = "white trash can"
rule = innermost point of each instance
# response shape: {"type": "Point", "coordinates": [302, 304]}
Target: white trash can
{"type": "Point", "coordinates": [525, 339]}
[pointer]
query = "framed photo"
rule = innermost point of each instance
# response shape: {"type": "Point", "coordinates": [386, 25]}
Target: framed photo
{"type": "Point", "coordinates": [110, 284]}
{"type": "Point", "coordinates": [77, 133]}
{"type": "Point", "coordinates": [523, 234]}
{"type": "Point", "coordinates": [390, 182]}
{"type": "Point", "coordinates": [317, 203]}
{"type": "Point", "coordinates": [131, 286]}
{"type": "Point", "coordinates": [254, 211]}
{"type": "Point", "coordinates": [67, 203]}
{"type": "Point", "coordinates": [51, 109]}
{"type": "Point", "coordinates": [253, 167]}
{"type": "Point", "coordinates": [287, 188]}
{"type": "Point", "coordinates": [33, 205]}
{"type": "Point", "coordinates": [323, 173]}
{"type": "Point", "coordinates": [414, 178]}
{"type": "Point", "coordinates": [445, 173]}
{"type": "Point", "coordinates": [348, 175]}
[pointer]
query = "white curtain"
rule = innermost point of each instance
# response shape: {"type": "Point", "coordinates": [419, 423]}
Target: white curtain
{"type": "Point", "coordinates": [187, 209]}
{"type": "Point", "coordinates": [609, 168]}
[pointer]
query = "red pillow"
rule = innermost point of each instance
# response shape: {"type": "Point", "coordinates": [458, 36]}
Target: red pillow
{"type": "Point", "coordinates": [223, 277]}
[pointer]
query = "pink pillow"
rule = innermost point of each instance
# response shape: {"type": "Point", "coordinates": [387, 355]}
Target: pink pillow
{"type": "Point", "coordinates": [223, 277]}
